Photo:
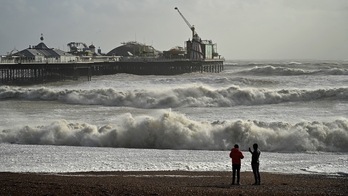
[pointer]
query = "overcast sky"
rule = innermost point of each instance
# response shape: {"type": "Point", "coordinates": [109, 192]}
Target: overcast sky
{"type": "Point", "coordinates": [243, 29]}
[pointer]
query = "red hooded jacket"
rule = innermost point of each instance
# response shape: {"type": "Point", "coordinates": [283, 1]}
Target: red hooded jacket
{"type": "Point", "coordinates": [236, 156]}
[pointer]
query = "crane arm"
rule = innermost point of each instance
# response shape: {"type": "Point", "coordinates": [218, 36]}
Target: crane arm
{"type": "Point", "coordinates": [186, 21]}
{"type": "Point", "coordinates": [183, 17]}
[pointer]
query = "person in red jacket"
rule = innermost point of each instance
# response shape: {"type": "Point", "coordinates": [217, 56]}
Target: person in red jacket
{"type": "Point", "coordinates": [236, 155]}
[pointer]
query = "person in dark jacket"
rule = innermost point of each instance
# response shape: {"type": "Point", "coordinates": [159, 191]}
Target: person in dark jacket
{"type": "Point", "coordinates": [255, 164]}
{"type": "Point", "coordinates": [236, 155]}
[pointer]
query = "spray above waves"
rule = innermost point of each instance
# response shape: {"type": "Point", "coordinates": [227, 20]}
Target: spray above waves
{"type": "Point", "coordinates": [290, 71]}
{"type": "Point", "coordinates": [170, 130]}
{"type": "Point", "coordinates": [190, 96]}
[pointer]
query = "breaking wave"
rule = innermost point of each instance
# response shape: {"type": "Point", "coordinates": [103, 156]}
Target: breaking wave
{"type": "Point", "coordinates": [192, 96]}
{"type": "Point", "coordinates": [170, 130]}
{"type": "Point", "coordinates": [289, 71]}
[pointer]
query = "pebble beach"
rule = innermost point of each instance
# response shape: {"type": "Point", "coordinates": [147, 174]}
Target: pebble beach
{"type": "Point", "coordinates": [168, 183]}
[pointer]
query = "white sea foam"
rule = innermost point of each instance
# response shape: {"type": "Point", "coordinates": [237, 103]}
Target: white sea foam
{"type": "Point", "coordinates": [290, 71]}
{"type": "Point", "coordinates": [53, 159]}
{"type": "Point", "coordinates": [189, 96]}
{"type": "Point", "coordinates": [171, 130]}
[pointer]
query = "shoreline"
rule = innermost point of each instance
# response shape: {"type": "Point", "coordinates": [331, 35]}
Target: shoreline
{"type": "Point", "coordinates": [168, 183]}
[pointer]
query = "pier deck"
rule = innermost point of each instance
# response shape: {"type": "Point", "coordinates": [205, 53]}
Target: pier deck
{"type": "Point", "coordinates": [47, 72]}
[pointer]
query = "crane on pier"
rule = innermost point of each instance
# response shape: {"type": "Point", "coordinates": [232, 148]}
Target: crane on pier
{"type": "Point", "coordinates": [187, 22]}
{"type": "Point", "coordinates": [194, 47]}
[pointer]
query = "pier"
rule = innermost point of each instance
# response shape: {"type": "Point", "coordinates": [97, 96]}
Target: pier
{"type": "Point", "coordinates": [40, 63]}
{"type": "Point", "coordinates": [35, 73]}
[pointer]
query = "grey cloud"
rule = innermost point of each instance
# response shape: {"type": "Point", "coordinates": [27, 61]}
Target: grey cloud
{"type": "Point", "coordinates": [243, 29]}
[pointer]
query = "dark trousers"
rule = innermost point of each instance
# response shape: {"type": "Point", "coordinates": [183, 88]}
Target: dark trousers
{"type": "Point", "coordinates": [255, 167]}
{"type": "Point", "coordinates": [235, 170]}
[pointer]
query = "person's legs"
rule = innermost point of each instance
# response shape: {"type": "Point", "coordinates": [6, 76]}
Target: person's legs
{"type": "Point", "coordinates": [238, 175]}
{"type": "Point", "coordinates": [254, 167]}
{"type": "Point", "coordinates": [258, 174]}
{"type": "Point", "coordinates": [233, 173]}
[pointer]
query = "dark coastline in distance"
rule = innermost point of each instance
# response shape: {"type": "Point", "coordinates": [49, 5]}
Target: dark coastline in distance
{"type": "Point", "coordinates": [168, 183]}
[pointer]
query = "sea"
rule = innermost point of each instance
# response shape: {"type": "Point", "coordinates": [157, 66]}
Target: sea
{"type": "Point", "coordinates": [296, 111]}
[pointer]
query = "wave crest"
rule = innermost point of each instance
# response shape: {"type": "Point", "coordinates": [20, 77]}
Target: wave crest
{"type": "Point", "coordinates": [191, 96]}
{"type": "Point", "coordinates": [290, 71]}
{"type": "Point", "coordinates": [171, 130]}
{"type": "Point", "coordinates": [194, 96]}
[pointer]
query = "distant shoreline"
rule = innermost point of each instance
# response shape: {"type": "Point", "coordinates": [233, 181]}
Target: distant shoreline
{"type": "Point", "coordinates": [168, 183]}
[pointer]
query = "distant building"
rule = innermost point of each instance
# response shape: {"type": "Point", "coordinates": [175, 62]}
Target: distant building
{"type": "Point", "coordinates": [80, 49]}
{"type": "Point", "coordinates": [134, 49]}
{"type": "Point", "coordinates": [39, 54]}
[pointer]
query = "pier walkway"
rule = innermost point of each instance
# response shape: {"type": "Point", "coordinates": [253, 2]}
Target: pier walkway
{"type": "Point", "coordinates": [32, 73]}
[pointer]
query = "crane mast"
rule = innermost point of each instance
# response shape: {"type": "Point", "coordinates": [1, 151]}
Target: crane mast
{"type": "Point", "coordinates": [187, 22]}
{"type": "Point", "coordinates": [196, 48]}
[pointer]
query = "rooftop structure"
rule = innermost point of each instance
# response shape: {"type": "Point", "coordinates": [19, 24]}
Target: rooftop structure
{"type": "Point", "coordinates": [81, 49]}
{"type": "Point", "coordinates": [134, 49]}
{"type": "Point", "coordinates": [39, 53]}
